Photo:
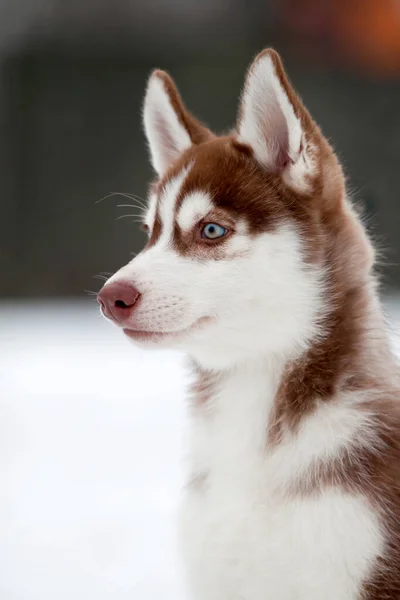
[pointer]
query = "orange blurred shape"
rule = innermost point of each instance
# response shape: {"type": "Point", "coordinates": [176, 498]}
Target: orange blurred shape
{"type": "Point", "coordinates": [369, 33]}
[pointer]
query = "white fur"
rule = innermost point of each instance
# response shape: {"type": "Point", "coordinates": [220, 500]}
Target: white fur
{"type": "Point", "coordinates": [167, 206]}
{"type": "Point", "coordinates": [269, 125]}
{"type": "Point", "coordinates": [166, 136]}
{"type": "Point", "coordinates": [151, 211]}
{"type": "Point", "coordinates": [194, 207]}
{"type": "Point", "coordinates": [243, 536]}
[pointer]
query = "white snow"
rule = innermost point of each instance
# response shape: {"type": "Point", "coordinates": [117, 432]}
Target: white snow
{"type": "Point", "coordinates": [90, 458]}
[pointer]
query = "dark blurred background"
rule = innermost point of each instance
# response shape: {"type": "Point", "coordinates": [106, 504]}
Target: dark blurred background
{"type": "Point", "coordinates": [72, 77]}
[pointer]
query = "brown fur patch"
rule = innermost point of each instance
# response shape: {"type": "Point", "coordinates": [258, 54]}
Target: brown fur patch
{"type": "Point", "coordinates": [382, 485]}
{"type": "Point", "coordinates": [234, 182]}
{"type": "Point", "coordinates": [334, 364]}
{"type": "Point", "coordinates": [242, 189]}
{"type": "Point", "coordinates": [373, 470]}
{"type": "Point", "coordinates": [156, 230]}
{"type": "Point", "coordinates": [204, 386]}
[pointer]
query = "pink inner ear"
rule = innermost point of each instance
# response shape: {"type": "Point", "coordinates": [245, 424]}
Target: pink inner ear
{"type": "Point", "coordinates": [277, 134]}
{"type": "Point", "coordinates": [169, 148]}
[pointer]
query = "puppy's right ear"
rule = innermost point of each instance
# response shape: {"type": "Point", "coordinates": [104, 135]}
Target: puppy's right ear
{"type": "Point", "coordinates": [169, 127]}
{"type": "Point", "coordinates": [275, 124]}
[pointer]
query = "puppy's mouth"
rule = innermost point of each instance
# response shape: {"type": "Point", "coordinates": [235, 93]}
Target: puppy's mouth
{"type": "Point", "coordinates": [150, 335]}
{"type": "Point", "coordinates": [154, 336]}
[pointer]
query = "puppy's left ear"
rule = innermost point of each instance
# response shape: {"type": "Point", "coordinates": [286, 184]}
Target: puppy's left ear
{"type": "Point", "coordinates": [276, 125]}
{"type": "Point", "coordinates": [169, 127]}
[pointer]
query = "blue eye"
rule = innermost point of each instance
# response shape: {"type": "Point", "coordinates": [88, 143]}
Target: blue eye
{"type": "Point", "coordinates": [212, 231]}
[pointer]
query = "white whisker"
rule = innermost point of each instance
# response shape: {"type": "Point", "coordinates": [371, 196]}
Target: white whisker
{"type": "Point", "coordinates": [139, 217]}
{"type": "Point", "coordinates": [139, 200]}
{"type": "Point", "coordinates": [131, 206]}
{"type": "Point", "coordinates": [101, 277]}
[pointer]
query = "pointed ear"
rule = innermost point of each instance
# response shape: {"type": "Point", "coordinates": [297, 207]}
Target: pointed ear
{"type": "Point", "coordinates": [170, 129]}
{"type": "Point", "coordinates": [275, 124]}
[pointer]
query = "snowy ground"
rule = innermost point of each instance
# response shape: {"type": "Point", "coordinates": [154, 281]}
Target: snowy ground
{"type": "Point", "coordinates": [90, 449]}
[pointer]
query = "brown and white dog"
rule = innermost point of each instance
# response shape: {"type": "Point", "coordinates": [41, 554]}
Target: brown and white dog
{"type": "Point", "coordinates": [260, 269]}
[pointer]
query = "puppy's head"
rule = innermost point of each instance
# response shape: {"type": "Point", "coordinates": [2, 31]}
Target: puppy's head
{"type": "Point", "coordinates": [236, 259]}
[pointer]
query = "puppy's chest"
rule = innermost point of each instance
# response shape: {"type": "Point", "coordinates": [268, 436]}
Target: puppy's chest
{"type": "Point", "coordinates": [228, 435]}
{"type": "Point", "coordinates": [243, 535]}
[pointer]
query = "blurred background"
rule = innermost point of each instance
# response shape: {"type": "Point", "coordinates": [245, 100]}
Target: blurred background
{"type": "Point", "coordinates": [90, 427]}
{"type": "Point", "coordinates": [72, 78]}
